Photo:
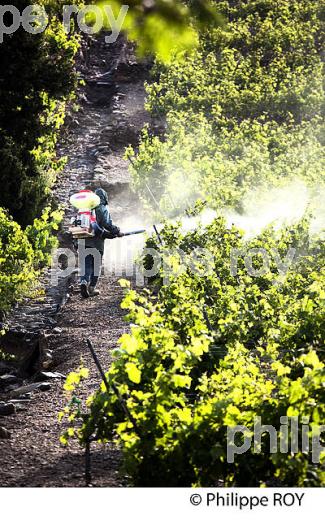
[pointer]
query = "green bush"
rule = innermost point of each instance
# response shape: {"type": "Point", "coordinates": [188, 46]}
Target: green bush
{"type": "Point", "coordinates": [16, 261]}
{"type": "Point", "coordinates": [23, 253]}
{"type": "Point", "coordinates": [42, 238]}
{"type": "Point", "coordinates": [244, 110]}
{"type": "Point", "coordinates": [212, 350]}
{"type": "Point", "coordinates": [37, 79]}
{"type": "Point", "coordinates": [192, 163]}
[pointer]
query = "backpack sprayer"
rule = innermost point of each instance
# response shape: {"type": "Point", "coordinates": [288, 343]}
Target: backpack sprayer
{"type": "Point", "coordinates": [82, 225]}
{"type": "Point", "coordinates": [85, 225]}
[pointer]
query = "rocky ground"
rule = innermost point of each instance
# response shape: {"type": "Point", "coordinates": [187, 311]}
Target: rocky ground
{"type": "Point", "coordinates": [53, 328]}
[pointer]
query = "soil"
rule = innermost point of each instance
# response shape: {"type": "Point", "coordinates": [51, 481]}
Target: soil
{"type": "Point", "coordinates": [111, 117]}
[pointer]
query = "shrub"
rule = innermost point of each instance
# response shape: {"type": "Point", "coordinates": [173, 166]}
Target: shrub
{"type": "Point", "coordinates": [37, 79]}
{"type": "Point", "coordinates": [22, 253]}
{"type": "Point", "coordinates": [213, 351]}
{"type": "Point", "coordinates": [243, 110]}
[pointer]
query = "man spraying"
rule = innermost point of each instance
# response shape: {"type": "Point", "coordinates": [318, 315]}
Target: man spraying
{"type": "Point", "coordinates": [93, 225]}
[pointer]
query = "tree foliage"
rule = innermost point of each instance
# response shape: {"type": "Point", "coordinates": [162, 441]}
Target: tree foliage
{"type": "Point", "coordinates": [157, 26]}
{"type": "Point", "coordinates": [37, 79]}
{"type": "Point", "coordinates": [243, 110]}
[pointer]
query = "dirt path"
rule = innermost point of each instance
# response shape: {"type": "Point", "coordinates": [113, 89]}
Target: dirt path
{"type": "Point", "coordinates": [111, 117]}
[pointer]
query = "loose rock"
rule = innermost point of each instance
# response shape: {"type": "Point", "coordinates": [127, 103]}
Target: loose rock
{"type": "Point", "coordinates": [44, 387]}
{"type": "Point", "coordinates": [25, 389]}
{"type": "Point", "coordinates": [8, 379]}
{"type": "Point", "coordinates": [7, 409]}
{"type": "Point", "coordinates": [20, 406]}
{"type": "Point", "coordinates": [45, 376]}
{"type": "Point", "coordinates": [19, 401]}
{"type": "Point", "coordinates": [47, 360]}
{"type": "Point", "coordinates": [4, 433]}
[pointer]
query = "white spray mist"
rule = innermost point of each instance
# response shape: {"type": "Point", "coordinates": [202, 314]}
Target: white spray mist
{"type": "Point", "coordinates": [279, 206]}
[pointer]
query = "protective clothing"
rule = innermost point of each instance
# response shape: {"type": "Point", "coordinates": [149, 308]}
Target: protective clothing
{"type": "Point", "coordinates": [104, 222]}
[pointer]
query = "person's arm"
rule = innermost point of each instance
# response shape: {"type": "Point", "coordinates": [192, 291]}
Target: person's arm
{"type": "Point", "coordinates": [104, 220]}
